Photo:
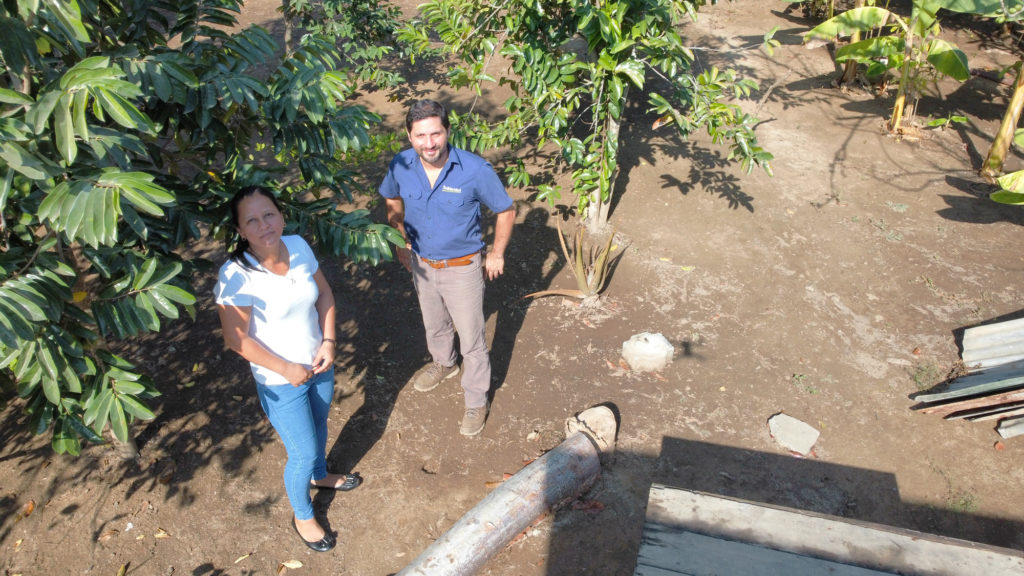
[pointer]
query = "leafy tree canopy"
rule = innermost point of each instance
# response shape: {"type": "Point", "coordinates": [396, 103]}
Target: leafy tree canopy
{"type": "Point", "coordinates": [124, 128]}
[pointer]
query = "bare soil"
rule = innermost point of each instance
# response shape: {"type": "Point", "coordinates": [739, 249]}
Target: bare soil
{"type": "Point", "coordinates": [833, 291]}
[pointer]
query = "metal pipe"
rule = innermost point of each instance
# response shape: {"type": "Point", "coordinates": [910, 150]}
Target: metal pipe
{"type": "Point", "coordinates": [558, 476]}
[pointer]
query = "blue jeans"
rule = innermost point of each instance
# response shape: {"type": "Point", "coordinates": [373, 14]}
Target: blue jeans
{"type": "Point", "coordinates": [299, 415]}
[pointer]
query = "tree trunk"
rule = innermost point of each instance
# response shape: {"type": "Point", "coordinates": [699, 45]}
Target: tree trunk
{"type": "Point", "coordinates": [992, 168]}
{"type": "Point", "coordinates": [901, 93]}
{"type": "Point", "coordinates": [286, 7]}
{"type": "Point", "coordinates": [598, 208]}
{"type": "Point", "coordinates": [124, 450]}
{"type": "Point", "coordinates": [850, 72]}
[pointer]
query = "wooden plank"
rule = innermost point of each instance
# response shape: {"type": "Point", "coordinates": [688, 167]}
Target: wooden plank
{"type": "Point", "coordinates": [991, 400]}
{"type": "Point", "coordinates": [668, 552]}
{"type": "Point", "coordinates": [841, 540]}
{"type": "Point", "coordinates": [995, 413]}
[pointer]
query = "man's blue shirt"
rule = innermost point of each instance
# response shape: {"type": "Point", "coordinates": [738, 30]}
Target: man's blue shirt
{"type": "Point", "coordinates": [444, 221]}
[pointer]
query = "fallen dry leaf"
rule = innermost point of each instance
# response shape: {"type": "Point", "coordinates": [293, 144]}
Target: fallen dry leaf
{"type": "Point", "coordinates": [492, 484]}
{"type": "Point", "coordinates": [107, 535]}
{"type": "Point", "coordinates": [1000, 446]}
{"type": "Point", "coordinates": [240, 558]}
{"type": "Point", "coordinates": [25, 510]}
{"type": "Point", "coordinates": [610, 365]}
{"type": "Point", "coordinates": [293, 564]}
{"type": "Point", "coordinates": [161, 533]}
{"type": "Point", "coordinates": [917, 351]}
{"type": "Point", "coordinates": [17, 544]}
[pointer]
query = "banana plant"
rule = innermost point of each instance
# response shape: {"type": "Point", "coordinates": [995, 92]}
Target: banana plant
{"type": "Point", "coordinates": [910, 45]}
{"type": "Point", "coordinates": [1001, 11]}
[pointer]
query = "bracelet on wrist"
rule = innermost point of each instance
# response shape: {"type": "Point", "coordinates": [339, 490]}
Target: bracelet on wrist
{"type": "Point", "coordinates": [331, 340]}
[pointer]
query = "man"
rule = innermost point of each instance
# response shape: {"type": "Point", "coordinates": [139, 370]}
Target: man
{"type": "Point", "coordinates": [433, 193]}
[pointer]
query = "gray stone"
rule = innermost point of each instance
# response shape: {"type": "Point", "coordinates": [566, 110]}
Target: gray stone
{"type": "Point", "coordinates": [792, 434]}
{"type": "Point", "coordinates": [646, 352]}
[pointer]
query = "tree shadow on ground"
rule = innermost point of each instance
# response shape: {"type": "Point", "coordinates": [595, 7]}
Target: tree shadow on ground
{"type": "Point", "coordinates": [975, 206]}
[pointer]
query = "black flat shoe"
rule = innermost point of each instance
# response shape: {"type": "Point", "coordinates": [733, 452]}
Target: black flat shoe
{"type": "Point", "coordinates": [352, 481]}
{"type": "Point", "coordinates": [322, 545]}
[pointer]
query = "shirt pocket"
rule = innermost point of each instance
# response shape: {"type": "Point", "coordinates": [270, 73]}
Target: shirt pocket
{"type": "Point", "coordinates": [410, 192]}
{"type": "Point", "coordinates": [455, 204]}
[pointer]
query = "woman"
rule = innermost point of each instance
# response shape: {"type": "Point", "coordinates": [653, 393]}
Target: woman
{"type": "Point", "coordinates": [277, 311]}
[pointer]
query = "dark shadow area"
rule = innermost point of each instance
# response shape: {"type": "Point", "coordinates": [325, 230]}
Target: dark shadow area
{"type": "Point", "coordinates": [381, 343]}
{"type": "Point", "coordinates": [710, 171]}
{"type": "Point", "coordinates": [976, 207]}
{"type": "Point", "coordinates": [578, 538]}
{"type": "Point", "coordinates": [532, 262]}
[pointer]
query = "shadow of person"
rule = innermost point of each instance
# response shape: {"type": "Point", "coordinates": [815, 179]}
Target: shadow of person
{"type": "Point", "coordinates": [381, 345]}
{"type": "Point", "coordinates": [532, 260]}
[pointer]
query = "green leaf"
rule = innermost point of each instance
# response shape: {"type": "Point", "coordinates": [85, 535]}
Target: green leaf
{"type": "Point", "coordinates": [128, 387]}
{"type": "Point", "coordinates": [97, 406]}
{"type": "Point", "coordinates": [949, 60]}
{"type": "Point", "coordinates": [175, 294]}
{"type": "Point", "coordinates": [1007, 197]}
{"type": "Point", "coordinates": [142, 278]}
{"type": "Point", "coordinates": [83, 430]}
{"type": "Point", "coordinates": [64, 129]}
{"type": "Point", "coordinates": [1012, 182]}
{"type": "Point", "coordinates": [1018, 137]}
{"type": "Point", "coordinates": [990, 8]}
{"type": "Point", "coordinates": [118, 422]}
{"type": "Point", "coordinates": [136, 408]}
{"type": "Point", "coordinates": [24, 163]}
{"type": "Point", "coordinates": [857, 20]}
{"type": "Point", "coordinates": [634, 70]}
{"type": "Point", "coordinates": [64, 439]}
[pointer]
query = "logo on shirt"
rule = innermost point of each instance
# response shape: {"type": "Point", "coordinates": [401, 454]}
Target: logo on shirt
{"type": "Point", "coordinates": [451, 190]}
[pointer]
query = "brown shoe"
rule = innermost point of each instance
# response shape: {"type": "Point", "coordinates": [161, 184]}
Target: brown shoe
{"type": "Point", "coordinates": [430, 377]}
{"type": "Point", "coordinates": [473, 420]}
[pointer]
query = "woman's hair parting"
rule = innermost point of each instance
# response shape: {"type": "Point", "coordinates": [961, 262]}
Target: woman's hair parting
{"type": "Point", "coordinates": [242, 245]}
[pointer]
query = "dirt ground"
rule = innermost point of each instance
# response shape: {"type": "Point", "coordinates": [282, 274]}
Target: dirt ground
{"type": "Point", "coordinates": [833, 292]}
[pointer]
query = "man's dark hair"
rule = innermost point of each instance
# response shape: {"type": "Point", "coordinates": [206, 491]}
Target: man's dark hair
{"type": "Point", "coordinates": [423, 109]}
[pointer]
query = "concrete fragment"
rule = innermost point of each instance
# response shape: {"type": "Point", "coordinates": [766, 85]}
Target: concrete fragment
{"type": "Point", "coordinates": [646, 352]}
{"type": "Point", "coordinates": [792, 434]}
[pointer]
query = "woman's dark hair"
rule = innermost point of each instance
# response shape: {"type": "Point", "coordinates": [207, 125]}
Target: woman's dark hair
{"type": "Point", "coordinates": [242, 245]}
{"type": "Point", "coordinates": [423, 109]}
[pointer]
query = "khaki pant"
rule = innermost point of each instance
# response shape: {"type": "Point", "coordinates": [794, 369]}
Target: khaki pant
{"type": "Point", "coordinates": [452, 300]}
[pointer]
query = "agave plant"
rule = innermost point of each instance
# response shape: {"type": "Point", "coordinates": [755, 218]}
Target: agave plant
{"type": "Point", "coordinates": [589, 267]}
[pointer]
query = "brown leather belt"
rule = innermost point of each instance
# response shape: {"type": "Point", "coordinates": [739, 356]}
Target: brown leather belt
{"type": "Point", "coordinates": [451, 262]}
